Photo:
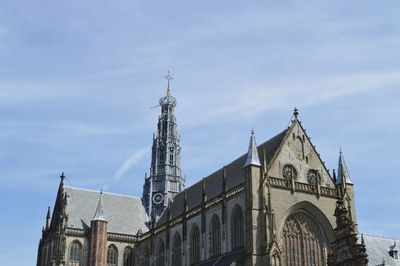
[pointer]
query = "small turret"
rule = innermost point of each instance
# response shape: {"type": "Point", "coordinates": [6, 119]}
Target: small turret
{"type": "Point", "coordinates": [99, 214]}
{"type": "Point", "coordinates": [98, 236]}
{"type": "Point", "coordinates": [252, 154]}
{"type": "Point", "coordinates": [255, 225]}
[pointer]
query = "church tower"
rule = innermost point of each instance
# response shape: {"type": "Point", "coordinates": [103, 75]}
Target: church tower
{"type": "Point", "coordinates": [165, 179]}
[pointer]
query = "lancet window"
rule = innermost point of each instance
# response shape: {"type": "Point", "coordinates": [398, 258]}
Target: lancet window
{"type": "Point", "coordinates": [112, 255]}
{"type": "Point", "coordinates": [237, 228]}
{"type": "Point", "coordinates": [195, 245]}
{"type": "Point", "coordinates": [177, 251]}
{"type": "Point", "coordinates": [128, 257]}
{"type": "Point", "coordinates": [215, 236]}
{"type": "Point", "coordinates": [275, 259]}
{"type": "Point", "coordinates": [161, 254]}
{"type": "Point", "coordinates": [75, 253]}
{"type": "Point", "coordinates": [146, 261]}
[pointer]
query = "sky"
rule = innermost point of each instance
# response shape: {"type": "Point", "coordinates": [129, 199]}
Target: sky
{"type": "Point", "coordinates": [78, 80]}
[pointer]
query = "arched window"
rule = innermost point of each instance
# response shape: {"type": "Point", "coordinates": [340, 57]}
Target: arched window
{"type": "Point", "coordinates": [146, 256]}
{"type": "Point", "coordinates": [177, 251]}
{"type": "Point", "coordinates": [237, 228]}
{"type": "Point", "coordinates": [75, 253]}
{"type": "Point", "coordinates": [128, 257]}
{"type": "Point", "coordinates": [112, 255]}
{"type": "Point", "coordinates": [275, 259]}
{"type": "Point", "coordinates": [215, 236]}
{"type": "Point", "coordinates": [302, 241]}
{"type": "Point", "coordinates": [161, 254]}
{"type": "Point", "coordinates": [195, 245]}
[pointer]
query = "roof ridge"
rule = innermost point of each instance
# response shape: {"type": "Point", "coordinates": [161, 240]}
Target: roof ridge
{"type": "Point", "coordinates": [243, 155]}
{"type": "Point", "coordinates": [96, 191]}
{"type": "Point", "coordinates": [382, 237]}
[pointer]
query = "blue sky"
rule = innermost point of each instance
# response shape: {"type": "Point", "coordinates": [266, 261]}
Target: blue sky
{"type": "Point", "coordinates": [78, 79]}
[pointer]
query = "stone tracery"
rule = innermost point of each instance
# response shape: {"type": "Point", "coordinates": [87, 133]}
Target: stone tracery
{"type": "Point", "coordinates": [303, 241]}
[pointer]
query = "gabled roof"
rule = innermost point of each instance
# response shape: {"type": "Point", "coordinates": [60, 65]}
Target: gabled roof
{"type": "Point", "coordinates": [214, 182]}
{"type": "Point", "coordinates": [125, 214]}
{"type": "Point", "coordinates": [378, 250]}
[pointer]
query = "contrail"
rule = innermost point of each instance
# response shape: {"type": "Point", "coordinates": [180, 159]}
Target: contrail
{"type": "Point", "coordinates": [130, 162]}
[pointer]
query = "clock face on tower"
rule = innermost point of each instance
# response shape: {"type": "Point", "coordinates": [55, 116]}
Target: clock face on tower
{"type": "Point", "coordinates": [158, 198]}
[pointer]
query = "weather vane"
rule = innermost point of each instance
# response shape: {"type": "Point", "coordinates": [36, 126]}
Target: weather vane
{"type": "Point", "coordinates": [168, 77]}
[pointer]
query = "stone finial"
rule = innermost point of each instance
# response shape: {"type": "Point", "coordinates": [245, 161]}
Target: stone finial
{"type": "Point", "coordinates": [99, 214]}
{"type": "Point", "coordinates": [296, 112]}
{"type": "Point", "coordinates": [168, 77]}
{"type": "Point", "coordinates": [252, 154]}
{"type": "Point", "coordinates": [48, 218]}
{"type": "Point", "coordinates": [62, 177]}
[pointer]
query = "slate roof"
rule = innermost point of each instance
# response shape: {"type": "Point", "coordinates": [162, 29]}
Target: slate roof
{"type": "Point", "coordinates": [124, 214]}
{"type": "Point", "coordinates": [378, 250]}
{"type": "Point", "coordinates": [214, 182]}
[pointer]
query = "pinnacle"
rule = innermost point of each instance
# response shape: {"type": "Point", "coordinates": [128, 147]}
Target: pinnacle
{"type": "Point", "coordinates": [99, 214]}
{"type": "Point", "coordinates": [342, 174]}
{"type": "Point", "coordinates": [252, 154]}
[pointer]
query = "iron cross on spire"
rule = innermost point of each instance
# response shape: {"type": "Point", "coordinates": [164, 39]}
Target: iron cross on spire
{"type": "Point", "coordinates": [168, 77]}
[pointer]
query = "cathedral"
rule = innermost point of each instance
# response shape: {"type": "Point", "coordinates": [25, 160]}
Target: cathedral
{"type": "Point", "coordinates": [277, 204]}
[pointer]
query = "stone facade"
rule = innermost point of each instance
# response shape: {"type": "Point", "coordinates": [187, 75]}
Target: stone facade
{"type": "Point", "coordinates": [287, 204]}
{"type": "Point", "coordinates": [274, 205]}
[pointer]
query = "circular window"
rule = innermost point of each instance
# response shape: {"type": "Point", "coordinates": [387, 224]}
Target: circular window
{"type": "Point", "coordinates": [289, 172]}
{"type": "Point", "coordinates": [313, 176]}
{"type": "Point", "coordinates": [158, 198]}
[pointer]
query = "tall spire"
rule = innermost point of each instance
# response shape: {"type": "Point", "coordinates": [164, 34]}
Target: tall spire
{"type": "Point", "coordinates": [165, 179]}
{"type": "Point", "coordinates": [252, 154]}
{"type": "Point", "coordinates": [99, 214]}
{"type": "Point", "coordinates": [342, 174]}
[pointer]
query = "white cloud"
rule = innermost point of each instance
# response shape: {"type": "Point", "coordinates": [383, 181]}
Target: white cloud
{"type": "Point", "coordinates": [130, 162]}
{"type": "Point", "coordinates": [252, 100]}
